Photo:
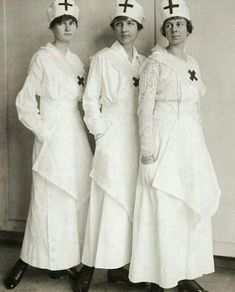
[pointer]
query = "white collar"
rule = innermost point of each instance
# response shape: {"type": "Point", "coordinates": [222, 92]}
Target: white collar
{"type": "Point", "coordinates": [54, 48]}
{"type": "Point", "coordinates": [119, 48]}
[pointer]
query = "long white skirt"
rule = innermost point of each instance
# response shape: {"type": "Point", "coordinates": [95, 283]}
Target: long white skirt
{"type": "Point", "coordinates": [55, 228]}
{"type": "Point", "coordinates": [166, 246]}
{"type": "Point", "coordinates": [109, 232]}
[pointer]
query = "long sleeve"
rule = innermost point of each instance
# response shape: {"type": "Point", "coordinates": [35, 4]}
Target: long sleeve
{"type": "Point", "coordinates": [82, 79]}
{"type": "Point", "coordinates": [84, 76]}
{"type": "Point", "coordinates": [26, 102]}
{"type": "Point", "coordinates": [201, 89]}
{"type": "Point", "coordinates": [91, 99]}
{"type": "Point", "coordinates": [147, 96]}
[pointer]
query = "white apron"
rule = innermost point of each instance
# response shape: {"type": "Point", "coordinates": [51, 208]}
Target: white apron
{"type": "Point", "coordinates": [61, 160]}
{"type": "Point", "coordinates": [178, 193]}
{"type": "Point", "coordinates": [110, 104]}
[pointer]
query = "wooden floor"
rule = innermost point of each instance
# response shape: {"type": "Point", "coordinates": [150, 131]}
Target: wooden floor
{"type": "Point", "coordinates": [35, 280]}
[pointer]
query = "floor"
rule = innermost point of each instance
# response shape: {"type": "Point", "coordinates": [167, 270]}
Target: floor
{"type": "Point", "coordinates": [35, 280]}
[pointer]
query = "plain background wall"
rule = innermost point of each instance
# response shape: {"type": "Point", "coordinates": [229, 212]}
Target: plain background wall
{"type": "Point", "coordinates": [24, 29]}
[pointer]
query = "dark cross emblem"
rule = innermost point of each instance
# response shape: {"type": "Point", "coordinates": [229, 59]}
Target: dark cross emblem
{"type": "Point", "coordinates": [192, 75]}
{"type": "Point", "coordinates": [81, 81]}
{"type": "Point", "coordinates": [136, 81]}
{"type": "Point", "coordinates": [66, 4]}
{"type": "Point", "coordinates": [171, 6]}
{"type": "Point", "coordinates": [126, 5]}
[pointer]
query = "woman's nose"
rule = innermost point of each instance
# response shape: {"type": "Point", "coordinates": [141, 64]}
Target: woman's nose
{"type": "Point", "coordinates": [67, 27]}
{"type": "Point", "coordinates": [124, 27]}
{"type": "Point", "coordinates": [174, 28]}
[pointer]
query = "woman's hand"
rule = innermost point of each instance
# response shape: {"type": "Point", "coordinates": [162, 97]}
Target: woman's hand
{"type": "Point", "coordinates": [98, 136]}
{"type": "Point", "coordinates": [148, 159]}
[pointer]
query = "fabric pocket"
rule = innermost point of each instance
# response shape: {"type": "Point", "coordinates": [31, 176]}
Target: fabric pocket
{"type": "Point", "coordinates": [107, 136]}
{"type": "Point", "coordinates": [43, 135]}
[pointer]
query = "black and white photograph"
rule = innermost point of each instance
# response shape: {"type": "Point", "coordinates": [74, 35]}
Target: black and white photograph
{"type": "Point", "coordinates": [117, 143]}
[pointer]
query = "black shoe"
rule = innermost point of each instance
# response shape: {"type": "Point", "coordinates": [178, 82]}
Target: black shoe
{"type": "Point", "coordinates": [83, 280]}
{"type": "Point", "coordinates": [190, 285]}
{"type": "Point", "coordinates": [15, 275]}
{"type": "Point", "coordinates": [155, 288]}
{"type": "Point", "coordinates": [71, 273]}
{"type": "Point", "coordinates": [120, 275]}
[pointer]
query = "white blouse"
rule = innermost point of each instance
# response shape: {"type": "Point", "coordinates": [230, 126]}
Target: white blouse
{"type": "Point", "coordinates": [53, 77]}
{"type": "Point", "coordinates": [164, 83]}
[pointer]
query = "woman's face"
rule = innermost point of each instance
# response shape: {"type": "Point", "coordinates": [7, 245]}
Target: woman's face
{"type": "Point", "coordinates": [64, 31]}
{"type": "Point", "coordinates": [176, 31]}
{"type": "Point", "coordinates": [126, 31]}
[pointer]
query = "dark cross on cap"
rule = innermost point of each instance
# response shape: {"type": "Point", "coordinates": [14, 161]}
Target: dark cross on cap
{"type": "Point", "coordinates": [126, 5]}
{"type": "Point", "coordinates": [136, 81]}
{"type": "Point", "coordinates": [192, 75]}
{"type": "Point", "coordinates": [171, 6]}
{"type": "Point", "coordinates": [81, 81]}
{"type": "Point", "coordinates": [66, 4]}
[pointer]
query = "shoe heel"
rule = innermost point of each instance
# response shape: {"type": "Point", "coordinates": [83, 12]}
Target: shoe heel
{"type": "Point", "coordinates": [190, 285]}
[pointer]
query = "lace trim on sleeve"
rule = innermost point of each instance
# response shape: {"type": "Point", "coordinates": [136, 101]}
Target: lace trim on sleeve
{"type": "Point", "coordinates": [147, 96]}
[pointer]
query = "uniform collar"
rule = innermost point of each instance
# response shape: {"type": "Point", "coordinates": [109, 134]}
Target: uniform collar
{"type": "Point", "coordinates": [158, 50]}
{"type": "Point", "coordinates": [50, 46]}
{"type": "Point", "coordinates": [119, 48]}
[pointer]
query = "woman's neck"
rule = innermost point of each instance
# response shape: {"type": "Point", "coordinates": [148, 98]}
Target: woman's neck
{"type": "Point", "coordinates": [61, 46]}
{"type": "Point", "coordinates": [177, 51]}
{"type": "Point", "coordinates": [129, 50]}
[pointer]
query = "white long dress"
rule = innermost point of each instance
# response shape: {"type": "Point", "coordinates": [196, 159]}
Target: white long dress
{"type": "Point", "coordinates": [178, 193]}
{"type": "Point", "coordinates": [110, 105]}
{"type": "Point", "coordinates": [62, 158]}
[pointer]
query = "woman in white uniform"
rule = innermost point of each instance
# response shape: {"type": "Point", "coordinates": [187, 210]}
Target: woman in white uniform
{"type": "Point", "coordinates": [177, 190]}
{"type": "Point", "coordinates": [62, 157]}
{"type": "Point", "coordinates": [110, 105]}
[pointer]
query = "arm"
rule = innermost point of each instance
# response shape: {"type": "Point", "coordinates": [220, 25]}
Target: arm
{"type": "Point", "coordinates": [82, 81]}
{"type": "Point", "coordinates": [91, 99]}
{"type": "Point", "coordinates": [201, 90]}
{"type": "Point", "coordinates": [26, 103]}
{"type": "Point", "coordinates": [147, 96]}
